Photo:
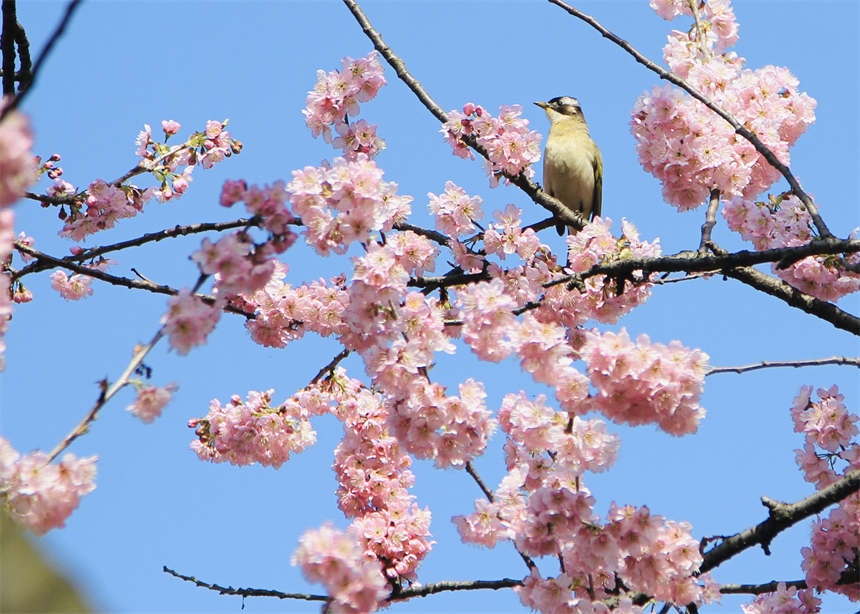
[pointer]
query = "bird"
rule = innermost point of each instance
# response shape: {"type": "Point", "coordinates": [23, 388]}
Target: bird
{"type": "Point", "coordinates": [572, 164]}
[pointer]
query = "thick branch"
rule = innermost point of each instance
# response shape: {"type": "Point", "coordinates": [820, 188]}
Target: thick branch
{"type": "Point", "coordinates": [781, 516]}
{"type": "Point", "coordinates": [58, 32]}
{"type": "Point", "coordinates": [738, 127]}
{"type": "Point", "coordinates": [7, 46]}
{"type": "Point", "coordinates": [794, 297]}
{"type": "Point", "coordinates": [766, 364]}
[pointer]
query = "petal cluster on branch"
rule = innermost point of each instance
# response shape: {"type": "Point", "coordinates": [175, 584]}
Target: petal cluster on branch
{"type": "Point", "coordinates": [40, 494]}
{"type": "Point", "coordinates": [511, 147]}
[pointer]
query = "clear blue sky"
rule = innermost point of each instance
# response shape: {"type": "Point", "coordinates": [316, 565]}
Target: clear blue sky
{"type": "Point", "coordinates": [123, 64]}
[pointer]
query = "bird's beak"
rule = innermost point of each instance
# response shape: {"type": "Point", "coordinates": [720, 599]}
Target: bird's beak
{"type": "Point", "coordinates": [542, 105]}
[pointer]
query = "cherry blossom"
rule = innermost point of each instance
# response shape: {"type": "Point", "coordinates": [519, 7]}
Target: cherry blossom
{"type": "Point", "coordinates": [40, 494]}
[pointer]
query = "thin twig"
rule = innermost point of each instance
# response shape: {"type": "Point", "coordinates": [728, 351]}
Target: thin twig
{"type": "Point", "coordinates": [58, 32]}
{"type": "Point", "coordinates": [245, 592]}
{"type": "Point", "coordinates": [766, 364]}
{"type": "Point", "coordinates": [329, 368]}
{"type": "Point", "coordinates": [119, 281]}
{"type": "Point", "coordinates": [178, 231]}
{"type": "Point", "coordinates": [738, 127]}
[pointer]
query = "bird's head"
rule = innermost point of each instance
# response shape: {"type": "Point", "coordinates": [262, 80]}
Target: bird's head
{"type": "Point", "coordinates": [562, 107]}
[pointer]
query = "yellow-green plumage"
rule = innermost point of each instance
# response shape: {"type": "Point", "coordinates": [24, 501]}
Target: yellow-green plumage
{"type": "Point", "coordinates": [572, 166]}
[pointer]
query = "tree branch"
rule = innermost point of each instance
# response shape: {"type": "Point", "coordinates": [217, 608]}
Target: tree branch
{"type": "Point", "coordinates": [245, 592]}
{"type": "Point", "coordinates": [7, 46]}
{"type": "Point", "coordinates": [119, 281]}
{"type": "Point", "coordinates": [780, 517]}
{"type": "Point", "coordinates": [739, 128]}
{"type": "Point", "coordinates": [770, 587]}
{"type": "Point", "coordinates": [765, 364]}
{"type": "Point", "coordinates": [141, 240]}
{"type": "Point", "coordinates": [524, 183]}
{"type": "Point", "coordinates": [58, 32]}
{"type": "Point", "coordinates": [710, 220]}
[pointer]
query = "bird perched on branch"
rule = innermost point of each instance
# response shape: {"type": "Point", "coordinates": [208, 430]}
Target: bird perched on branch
{"type": "Point", "coordinates": [572, 166]}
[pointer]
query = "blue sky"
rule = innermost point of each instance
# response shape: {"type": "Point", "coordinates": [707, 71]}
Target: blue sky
{"type": "Point", "coordinates": [123, 64]}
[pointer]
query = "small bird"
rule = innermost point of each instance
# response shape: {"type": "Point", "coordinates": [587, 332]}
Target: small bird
{"type": "Point", "coordinates": [572, 165]}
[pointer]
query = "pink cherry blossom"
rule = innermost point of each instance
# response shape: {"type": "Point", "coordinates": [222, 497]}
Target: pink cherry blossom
{"type": "Point", "coordinates": [336, 96]}
{"type": "Point", "coordinates": [344, 203]}
{"type": "Point", "coordinates": [170, 126]}
{"type": "Point", "coordinates": [39, 494]}
{"type": "Point", "coordinates": [644, 382]}
{"type": "Point", "coordinates": [150, 401]}
{"type": "Point", "coordinates": [511, 146]}
{"type": "Point", "coordinates": [784, 601]}
{"type": "Point", "coordinates": [692, 150]}
{"type": "Point", "coordinates": [17, 164]}
{"type": "Point", "coordinates": [252, 431]}
{"type": "Point", "coordinates": [784, 222]}
{"type": "Point", "coordinates": [455, 210]}
{"type": "Point", "coordinates": [337, 560]}
{"type": "Point", "coordinates": [7, 238]}
{"type": "Point", "coordinates": [189, 320]}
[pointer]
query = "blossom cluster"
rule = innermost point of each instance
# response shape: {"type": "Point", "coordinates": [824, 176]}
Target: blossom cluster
{"type": "Point", "coordinates": [603, 299]}
{"type": "Point", "coordinates": [374, 477]}
{"type": "Point", "coordinates": [336, 559]}
{"type": "Point", "coordinates": [784, 600]}
{"type": "Point", "coordinates": [238, 266]}
{"type": "Point", "coordinates": [40, 494]}
{"type": "Point", "coordinates": [284, 313]}
{"type": "Point", "coordinates": [511, 147]}
{"type": "Point", "coordinates": [644, 382]}
{"type": "Point", "coordinates": [454, 210]}
{"type": "Point", "coordinates": [252, 431]}
{"type": "Point", "coordinates": [545, 508]}
{"type": "Point", "coordinates": [189, 320]}
{"type": "Point", "coordinates": [18, 167]}
{"type": "Point", "coordinates": [689, 148]}
{"type": "Point", "coordinates": [344, 202]}
{"type": "Point", "coordinates": [398, 334]}
{"type": "Point", "coordinates": [103, 204]}
{"type": "Point", "coordinates": [785, 222]}
{"type": "Point", "coordinates": [150, 401]}
{"type": "Point", "coordinates": [268, 202]}
{"type": "Point", "coordinates": [335, 97]}
{"type": "Point", "coordinates": [827, 425]}
{"type": "Point", "coordinates": [77, 286]}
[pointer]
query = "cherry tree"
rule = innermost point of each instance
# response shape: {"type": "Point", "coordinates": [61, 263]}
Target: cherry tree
{"type": "Point", "coordinates": [475, 282]}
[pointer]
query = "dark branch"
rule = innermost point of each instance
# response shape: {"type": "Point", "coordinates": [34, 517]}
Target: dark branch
{"type": "Point", "coordinates": [738, 127]}
{"type": "Point", "coordinates": [142, 240]}
{"type": "Point", "coordinates": [780, 517]}
{"type": "Point", "coordinates": [58, 32]}
{"type": "Point", "coordinates": [770, 587]}
{"type": "Point", "coordinates": [7, 46]}
{"type": "Point", "coordinates": [119, 281]}
{"type": "Point", "coordinates": [245, 592]}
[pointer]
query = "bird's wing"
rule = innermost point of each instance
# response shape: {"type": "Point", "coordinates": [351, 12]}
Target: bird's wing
{"type": "Point", "coordinates": [597, 194]}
